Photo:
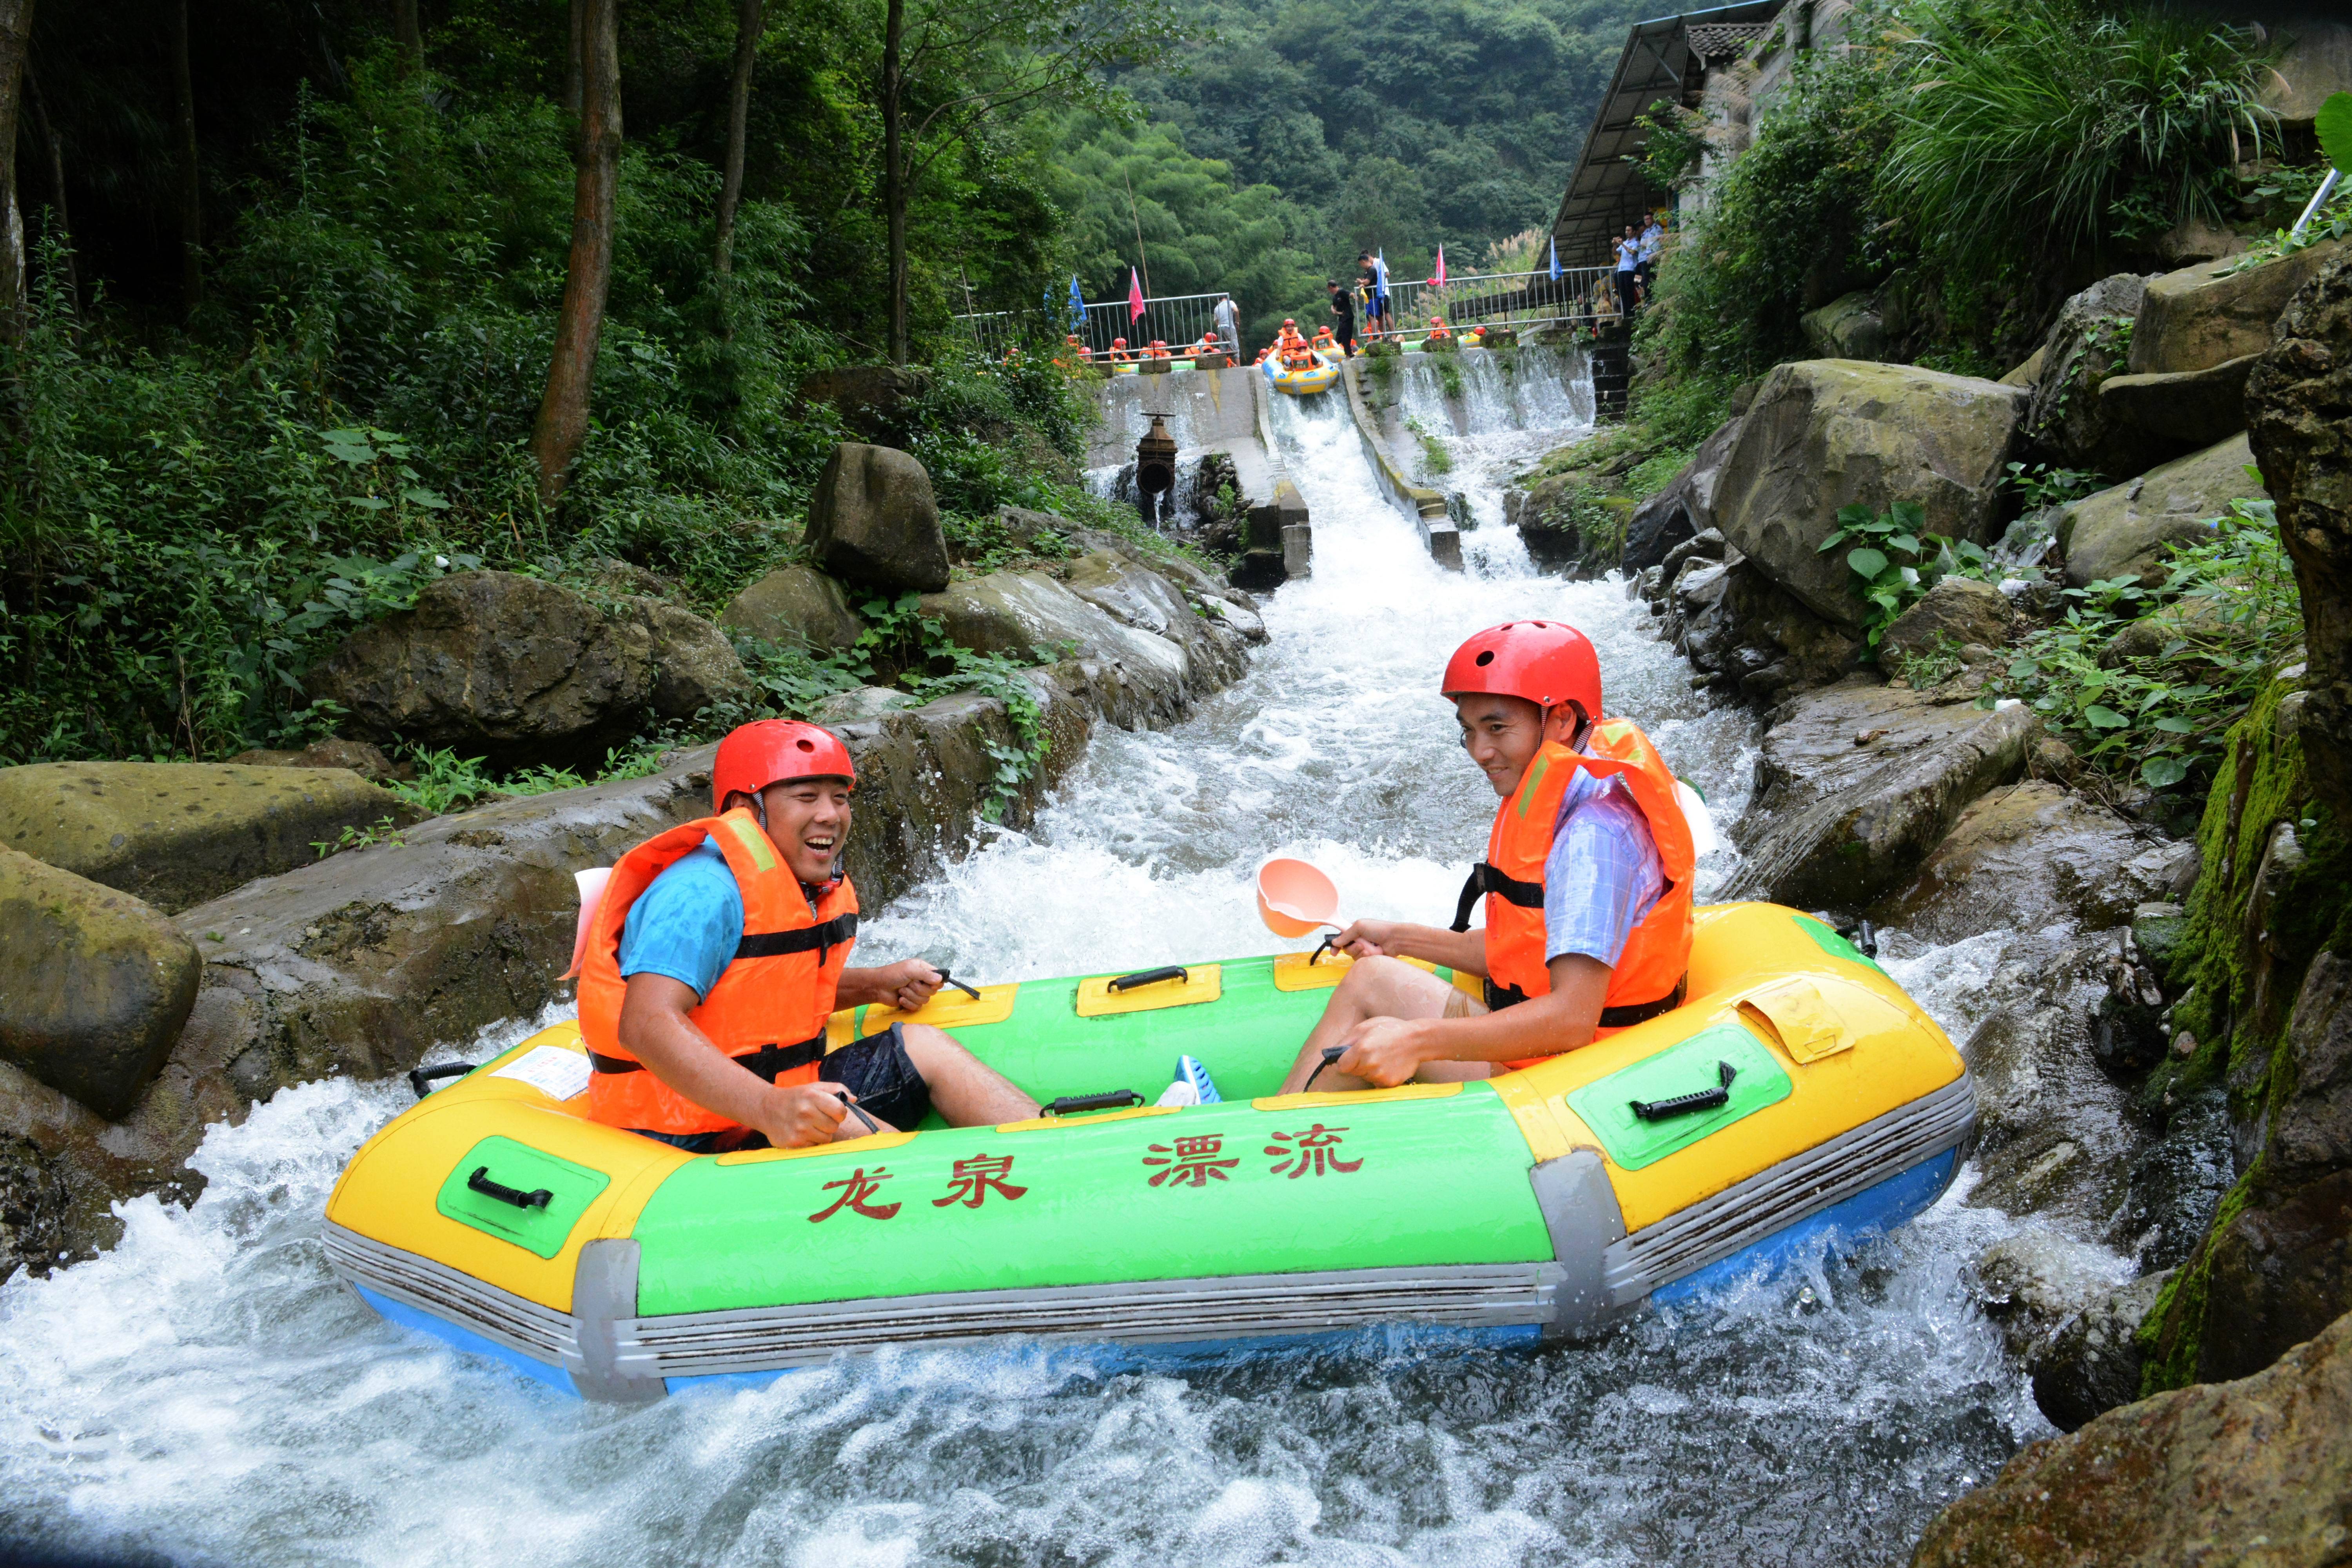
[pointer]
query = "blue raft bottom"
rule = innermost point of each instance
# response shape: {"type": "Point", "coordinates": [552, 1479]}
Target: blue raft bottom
{"type": "Point", "coordinates": [1863, 1217]}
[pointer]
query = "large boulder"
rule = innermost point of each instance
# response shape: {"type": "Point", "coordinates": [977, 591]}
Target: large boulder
{"type": "Point", "coordinates": [873, 520]}
{"type": "Point", "coordinates": [2206, 315]}
{"type": "Point", "coordinates": [1848, 326]}
{"type": "Point", "coordinates": [1858, 783]}
{"type": "Point", "coordinates": [175, 834]}
{"type": "Point", "coordinates": [99, 983]}
{"type": "Point", "coordinates": [2033, 856]}
{"type": "Point", "coordinates": [1030, 616]}
{"type": "Point", "coordinates": [2122, 530]}
{"type": "Point", "coordinates": [1141, 598]}
{"type": "Point", "coordinates": [1826, 434]}
{"type": "Point", "coordinates": [795, 605]}
{"type": "Point", "coordinates": [1685, 509]}
{"type": "Point", "coordinates": [2252, 1472]}
{"type": "Point", "coordinates": [695, 666]}
{"type": "Point", "coordinates": [2089, 343]}
{"type": "Point", "coordinates": [2299, 419]}
{"type": "Point", "coordinates": [2316, 64]}
{"type": "Point", "coordinates": [368, 761]}
{"type": "Point", "coordinates": [497, 664]}
{"type": "Point", "coordinates": [1957, 611]}
{"type": "Point", "coordinates": [2180, 411]}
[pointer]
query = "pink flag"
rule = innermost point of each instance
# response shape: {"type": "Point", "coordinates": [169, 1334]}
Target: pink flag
{"type": "Point", "coordinates": [1440, 279]}
{"type": "Point", "coordinates": [1134, 295]}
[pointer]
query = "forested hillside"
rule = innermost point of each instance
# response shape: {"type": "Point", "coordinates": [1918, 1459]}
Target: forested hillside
{"type": "Point", "coordinates": [1356, 125]}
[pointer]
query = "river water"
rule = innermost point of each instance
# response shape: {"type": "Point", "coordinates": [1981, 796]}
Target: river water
{"type": "Point", "coordinates": [208, 1393]}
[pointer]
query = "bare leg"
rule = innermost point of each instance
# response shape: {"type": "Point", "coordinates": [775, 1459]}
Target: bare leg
{"type": "Point", "coordinates": [966, 1091]}
{"type": "Point", "coordinates": [1373, 988]}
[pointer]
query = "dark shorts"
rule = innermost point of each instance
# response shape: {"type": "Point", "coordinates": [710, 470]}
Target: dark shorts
{"type": "Point", "coordinates": [877, 1069]}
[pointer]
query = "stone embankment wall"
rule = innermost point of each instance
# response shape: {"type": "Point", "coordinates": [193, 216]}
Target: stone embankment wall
{"type": "Point", "coordinates": [2163, 1045]}
{"type": "Point", "coordinates": [250, 962]}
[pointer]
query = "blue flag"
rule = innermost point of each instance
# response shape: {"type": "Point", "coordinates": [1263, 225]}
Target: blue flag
{"type": "Point", "coordinates": [1555, 258]}
{"type": "Point", "coordinates": [1077, 303]}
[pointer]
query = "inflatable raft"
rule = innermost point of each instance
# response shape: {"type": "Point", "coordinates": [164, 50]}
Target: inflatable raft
{"type": "Point", "coordinates": [1799, 1094]}
{"type": "Point", "coordinates": [1306, 379]}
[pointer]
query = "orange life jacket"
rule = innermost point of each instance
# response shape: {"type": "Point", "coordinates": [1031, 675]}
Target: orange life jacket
{"type": "Point", "coordinates": [1648, 977]}
{"type": "Point", "coordinates": [768, 1007]}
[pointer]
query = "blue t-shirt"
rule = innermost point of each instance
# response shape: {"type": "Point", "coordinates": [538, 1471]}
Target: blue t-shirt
{"type": "Point", "coordinates": [1604, 875]}
{"type": "Point", "coordinates": [687, 924]}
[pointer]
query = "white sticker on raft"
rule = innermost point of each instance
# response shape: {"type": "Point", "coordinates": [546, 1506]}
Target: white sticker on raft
{"type": "Point", "coordinates": [553, 1071]}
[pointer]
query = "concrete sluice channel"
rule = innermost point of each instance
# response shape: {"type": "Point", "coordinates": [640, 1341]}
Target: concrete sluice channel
{"type": "Point", "coordinates": [209, 1393]}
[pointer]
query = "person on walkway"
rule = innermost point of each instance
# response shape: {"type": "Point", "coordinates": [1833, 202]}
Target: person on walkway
{"type": "Point", "coordinates": [1587, 883]}
{"type": "Point", "coordinates": [1376, 301]}
{"type": "Point", "coordinates": [1229, 326]}
{"type": "Point", "coordinates": [1653, 240]}
{"type": "Point", "coordinates": [1343, 317]}
{"type": "Point", "coordinates": [721, 949]}
{"type": "Point", "coordinates": [1629, 262]}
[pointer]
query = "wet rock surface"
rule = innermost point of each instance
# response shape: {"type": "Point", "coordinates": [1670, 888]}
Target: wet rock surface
{"type": "Point", "coordinates": [873, 520]}
{"type": "Point", "coordinates": [693, 664]}
{"type": "Point", "coordinates": [1858, 783]}
{"type": "Point", "coordinates": [2092, 1365]}
{"type": "Point", "coordinates": [96, 986]}
{"type": "Point", "coordinates": [174, 834]}
{"type": "Point", "coordinates": [1683, 508]}
{"type": "Point", "coordinates": [2121, 531]}
{"type": "Point", "coordinates": [796, 606]}
{"type": "Point", "coordinates": [2184, 411]}
{"type": "Point", "coordinates": [2251, 1472]}
{"type": "Point", "coordinates": [1825, 434]}
{"type": "Point", "coordinates": [2033, 855]}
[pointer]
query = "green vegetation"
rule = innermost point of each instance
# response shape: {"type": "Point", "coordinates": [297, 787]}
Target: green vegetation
{"type": "Point", "coordinates": [1897, 560]}
{"type": "Point", "coordinates": [1956, 157]}
{"type": "Point", "coordinates": [197, 503]}
{"type": "Point", "coordinates": [2145, 683]}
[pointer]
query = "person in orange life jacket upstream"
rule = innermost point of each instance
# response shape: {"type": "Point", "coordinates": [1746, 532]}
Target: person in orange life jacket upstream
{"type": "Point", "coordinates": [1587, 882]}
{"type": "Point", "coordinates": [719, 949]}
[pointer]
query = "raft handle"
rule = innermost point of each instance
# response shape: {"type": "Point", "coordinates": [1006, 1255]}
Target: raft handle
{"type": "Point", "coordinates": [947, 979]}
{"type": "Point", "coordinates": [1330, 1054]}
{"type": "Point", "coordinates": [1149, 977]}
{"type": "Point", "coordinates": [480, 1182]}
{"type": "Point", "coordinates": [1073, 1104]}
{"type": "Point", "coordinates": [1683, 1104]}
{"type": "Point", "coordinates": [422, 1079]}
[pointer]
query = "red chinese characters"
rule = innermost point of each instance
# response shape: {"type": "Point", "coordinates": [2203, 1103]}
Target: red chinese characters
{"type": "Point", "coordinates": [1192, 1162]}
{"type": "Point", "coordinates": [1309, 1152]}
{"type": "Point", "coordinates": [973, 1179]}
{"type": "Point", "coordinates": [855, 1188]}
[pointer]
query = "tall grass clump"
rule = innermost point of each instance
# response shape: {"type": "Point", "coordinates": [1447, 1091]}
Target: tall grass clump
{"type": "Point", "coordinates": [2054, 126]}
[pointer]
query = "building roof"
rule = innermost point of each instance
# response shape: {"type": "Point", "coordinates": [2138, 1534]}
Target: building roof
{"type": "Point", "coordinates": [1665, 59]}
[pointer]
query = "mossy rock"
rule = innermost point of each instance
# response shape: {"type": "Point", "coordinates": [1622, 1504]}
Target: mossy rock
{"type": "Point", "coordinates": [176, 833]}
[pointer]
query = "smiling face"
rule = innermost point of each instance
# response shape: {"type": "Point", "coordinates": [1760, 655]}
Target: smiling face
{"type": "Point", "coordinates": [808, 820]}
{"type": "Point", "coordinates": [1503, 734]}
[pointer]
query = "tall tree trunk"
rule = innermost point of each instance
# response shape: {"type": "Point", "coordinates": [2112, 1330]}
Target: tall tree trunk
{"type": "Point", "coordinates": [894, 176]}
{"type": "Point", "coordinates": [408, 37]}
{"type": "Point", "coordinates": [16, 37]}
{"type": "Point", "coordinates": [739, 113]}
{"type": "Point", "coordinates": [563, 426]}
{"type": "Point", "coordinates": [192, 211]}
{"type": "Point", "coordinates": [55, 146]}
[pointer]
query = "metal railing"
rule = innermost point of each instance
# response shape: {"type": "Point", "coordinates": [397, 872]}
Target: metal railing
{"type": "Point", "coordinates": [1179, 321]}
{"type": "Point", "coordinates": [1580, 295]}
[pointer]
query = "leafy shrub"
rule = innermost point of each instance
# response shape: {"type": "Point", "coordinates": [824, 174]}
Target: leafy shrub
{"type": "Point", "coordinates": [1897, 560]}
{"type": "Point", "coordinates": [2042, 485]}
{"type": "Point", "coordinates": [2146, 682]}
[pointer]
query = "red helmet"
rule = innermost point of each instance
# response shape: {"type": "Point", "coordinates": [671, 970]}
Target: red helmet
{"type": "Point", "coordinates": [1543, 662]}
{"type": "Point", "coordinates": [775, 751]}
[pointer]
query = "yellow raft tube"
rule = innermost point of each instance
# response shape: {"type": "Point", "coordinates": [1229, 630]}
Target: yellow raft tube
{"type": "Point", "coordinates": [1799, 1100]}
{"type": "Point", "coordinates": [1306, 379]}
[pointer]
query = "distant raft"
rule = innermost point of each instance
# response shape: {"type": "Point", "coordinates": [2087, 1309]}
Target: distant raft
{"type": "Point", "coordinates": [1306, 379]}
{"type": "Point", "coordinates": [1798, 1098]}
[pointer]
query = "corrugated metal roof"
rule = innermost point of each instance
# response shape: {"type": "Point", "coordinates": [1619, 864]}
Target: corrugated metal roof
{"type": "Point", "coordinates": [1664, 59]}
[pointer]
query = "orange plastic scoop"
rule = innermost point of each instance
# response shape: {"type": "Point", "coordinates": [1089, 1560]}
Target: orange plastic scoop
{"type": "Point", "coordinates": [1295, 898]}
